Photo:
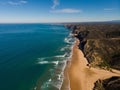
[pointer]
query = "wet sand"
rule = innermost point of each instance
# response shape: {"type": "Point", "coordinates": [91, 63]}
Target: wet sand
{"type": "Point", "coordinates": [79, 75]}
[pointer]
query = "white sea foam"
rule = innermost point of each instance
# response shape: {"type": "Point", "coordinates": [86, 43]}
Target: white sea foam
{"type": "Point", "coordinates": [35, 88]}
{"type": "Point", "coordinates": [55, 62]}
{"type": "Point", "coordinates": [60, 65]}
{"type": "Point", "coordinates": [57, 78]}
{"type": "Point", "coordinates": [64, 55]}
{"type": "Point", "coordinates": [43, 62]}
{"type": "Point", "coordinates": [65, 48]}
{"type": "Point", "coordinates": [48, 62]}
{"type": "Point", "coordinates": [71, 35]}
{"type": "Point", "coordinates": [58, 81]}
{"type": "Point", "coordinates": [58, 73]}
{"type": "Point", "coordinates": [49, 80]}
{"type": "Point", "coordinates": [69, 40]}
{"type": "Point", "coordinates": [41, 59]}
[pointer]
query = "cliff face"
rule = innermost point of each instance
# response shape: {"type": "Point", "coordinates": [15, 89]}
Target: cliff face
{"type": "Point", "coordinates": [100, 43]}
{"type": "Point", "coordinates": [108, 84]}
{"type": "Point", "coordinates": [104, 53]}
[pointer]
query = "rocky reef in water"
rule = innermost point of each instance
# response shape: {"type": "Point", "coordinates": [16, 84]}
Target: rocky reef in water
{"type": "Point", "coordinates": [100, 44]}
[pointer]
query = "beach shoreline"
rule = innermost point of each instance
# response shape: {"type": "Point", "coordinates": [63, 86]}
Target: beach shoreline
{"type": "Point", "coordinates": [78, 75]}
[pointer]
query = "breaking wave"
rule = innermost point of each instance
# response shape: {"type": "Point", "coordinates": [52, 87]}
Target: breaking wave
{"type": "Point", "coordinates": [57, 73]}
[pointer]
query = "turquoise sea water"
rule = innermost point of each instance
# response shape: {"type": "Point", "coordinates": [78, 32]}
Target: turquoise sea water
{"type": "Point", "coordinates": [33, 56]}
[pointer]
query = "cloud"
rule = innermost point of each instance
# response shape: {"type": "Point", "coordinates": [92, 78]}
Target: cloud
{"type": "Point", "coordinates": [66, 11]}
{"type": "Point", "coordinates": [18, 2]}
{"type": "Point", "coordinates": [23, 1]}
{"type": "Point", "coordinates": [55, 3]}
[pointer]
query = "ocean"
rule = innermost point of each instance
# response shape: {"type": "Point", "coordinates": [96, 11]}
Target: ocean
{"type": "Point", "coordinates": [33, 56]}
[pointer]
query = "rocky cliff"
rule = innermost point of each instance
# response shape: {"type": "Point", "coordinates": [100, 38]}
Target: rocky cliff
{"type": "Point", "coordinates": [100, 44]}
{"type": "Point", "coordinates": [108, 84]}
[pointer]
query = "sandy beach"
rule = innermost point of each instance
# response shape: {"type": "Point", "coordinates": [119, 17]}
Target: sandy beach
{"type": "Point", "coordinates": [80, 76]}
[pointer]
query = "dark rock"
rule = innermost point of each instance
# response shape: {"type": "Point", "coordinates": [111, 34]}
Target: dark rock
{"type": "Point", "coordinates": [108, 84]}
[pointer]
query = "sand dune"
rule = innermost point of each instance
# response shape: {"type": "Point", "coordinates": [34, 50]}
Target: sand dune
{"type": "Point", "coordinates": [82, 76]}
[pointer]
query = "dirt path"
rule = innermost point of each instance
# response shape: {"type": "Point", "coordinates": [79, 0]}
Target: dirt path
{"type": "Point", "coordinates": [83, 77]}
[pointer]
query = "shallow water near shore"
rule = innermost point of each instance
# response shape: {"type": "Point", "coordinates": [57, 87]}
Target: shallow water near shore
{"type": "Point", "coordinates": [33, 56]}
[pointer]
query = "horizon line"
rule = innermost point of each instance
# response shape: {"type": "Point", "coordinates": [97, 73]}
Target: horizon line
{"type": "Point", "coordinates": [56, 22]}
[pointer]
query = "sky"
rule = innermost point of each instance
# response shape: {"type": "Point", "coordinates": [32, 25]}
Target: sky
{"type": "Point", "coordinates": [38, 11]}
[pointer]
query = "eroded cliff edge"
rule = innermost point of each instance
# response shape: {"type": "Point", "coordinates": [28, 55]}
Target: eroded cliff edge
{"type": "Point", "coordinates": [100, 44]}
